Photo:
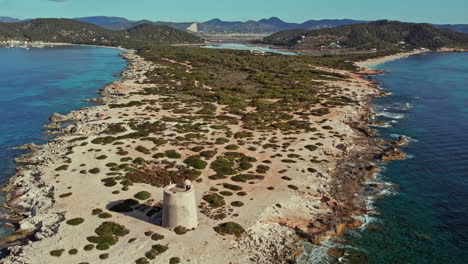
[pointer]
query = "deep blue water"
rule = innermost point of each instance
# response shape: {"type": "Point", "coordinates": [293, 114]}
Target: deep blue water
{"type": "Point", "coordinates": [37, 82]}
{"type": "Point", "coordinates": [425, 218]}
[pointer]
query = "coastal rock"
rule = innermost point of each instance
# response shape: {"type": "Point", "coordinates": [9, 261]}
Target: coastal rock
{"type": "Point", "coordinates": [27, 146]}
{"type": "Point", "coordinates": [56, 117]}
{"type": "Point", "coordinates": [272, 242]}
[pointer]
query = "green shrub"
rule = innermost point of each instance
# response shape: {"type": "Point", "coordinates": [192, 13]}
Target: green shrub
{"type": "Point", "coordinates": [232, 187]}
{"type": "Point", "coordinates": [230, 228]}
{"type": "Point", "coordinates": [155, 251]}
{"type": "Point", "coordinates": [57, 253]}
{"type": "Point", "coordinates": [237, 203]}
{"type": "Point", "coordinates": [73, 251]}
{"type": "Point", "coordinates": [89, 247]}
{"type": "Point", "coordinates": [197, 148]}
{"type": "Point", "coordinates": [221, 141]}
{"type": "Point", "coordinates": [61, 168]}
{"type": "Point", "coordinates": [172, 154]}
{"type": "Point", "coordinates": [141, 261]}
{"type": "Point", "coordinates": [196, 162]}
{"type": "Point", "coordinates": [293, 187]}
{"type": "Point", "coordinates": [109, 182]}
{"type": "Point", "coordinates": [108, 235]}
{"type": "Point", "coordinates": [115, 129]}
{"type": "Point", "coordinates": [94, 171]}
{"type": "Point", "coordinates": [102, 157]}
{"type": "Point", "coordinates": [156, 237]}
{"type": "Point", "coordinates": [246, 177]}
{"type": "Point", "coordinates": [96, 211]}
{"type": "Point", "coordinates": [139, 161]}
{"type": "Point", "coordinates": [104, 256]}
{"type": "Point", "coordinates": [180, 230]}
{"type": "Point", "coordinates": [75, 221]}
{"type": "Point", "coordinates": [174, 260]}
{"type": "Point", "coordinates": [243, 134]}
{"type": "Point", "coordinates": [232, 147]}
{"type": "Point", "coordinates": [311, 147]}
{"type": "Point", "coordinates": [104, 215]}
{"type": "Point", "coordinates": [143, 195]}
{"type": "Point", "coordinates": [226, 193]}
{"type": "Point", "coordinates": [214, 200]}
{"type": "Point", "coordinates": [208, 154]}
{"type": "Point", "coordinates": [262, 169]}
{"type": "Point", "coordinates": [143, 150]}
{"type": "Point", "coordinates": [64, 195]}
{"type": "Point", "coordinates": [103, 246]}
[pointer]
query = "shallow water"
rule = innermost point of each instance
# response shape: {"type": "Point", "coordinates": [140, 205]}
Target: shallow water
{"type": "Point", "coordinates": [251, 48]}
{"type": "Point", "coordinates": [37, 82]}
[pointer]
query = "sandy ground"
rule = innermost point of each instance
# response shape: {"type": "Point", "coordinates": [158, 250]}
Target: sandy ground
{"type": "Point", "coordinates": [372, 62]}
{"type": "Point", "coordinates": [271, 209]}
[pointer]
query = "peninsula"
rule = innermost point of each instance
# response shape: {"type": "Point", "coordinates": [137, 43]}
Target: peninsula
{"type": "Point", "coordinates": [274, 149]}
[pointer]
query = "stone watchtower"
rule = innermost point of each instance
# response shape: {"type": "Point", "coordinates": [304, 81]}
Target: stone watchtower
{"type": "Point", "coordinates": [179, 206]}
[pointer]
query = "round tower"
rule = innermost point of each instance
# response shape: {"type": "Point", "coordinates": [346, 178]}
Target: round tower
{"type": "Point", "coordinates": [179, 207]}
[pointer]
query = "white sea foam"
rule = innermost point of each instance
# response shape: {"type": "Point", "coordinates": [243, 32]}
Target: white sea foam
{"type": "Point", "coordinates": [407, 138]}
{"type": "Point", "coordinates": [385, 125]}
{"type": "Point", "coordinates": [391, 115]}
{"type": "Point", "coordinates": [313, 254]}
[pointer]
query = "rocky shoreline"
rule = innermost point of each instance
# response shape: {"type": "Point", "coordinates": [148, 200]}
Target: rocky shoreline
{"type": "Point", "coordinates": [29, 198]}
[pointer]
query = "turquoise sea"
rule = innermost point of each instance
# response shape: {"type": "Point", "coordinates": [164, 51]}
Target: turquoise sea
{"type": "Point", "coordinates": [36, 82]}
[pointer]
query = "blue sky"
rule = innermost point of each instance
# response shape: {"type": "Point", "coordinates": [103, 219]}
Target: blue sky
{"type": "Point", "coordinates": [434, 11]}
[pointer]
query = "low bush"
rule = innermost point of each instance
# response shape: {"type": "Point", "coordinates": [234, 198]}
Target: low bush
{"type": "Point", "coordinates": [232, 187]}
{"type": "Point", "coordinates": [143, 150]}
{"type": "Point", "coordinates": [94, 171]}
{"type": "Point", "coordinates": [172, 154]}
{"type": "Point", "coordinates": [262, 169]}
{"type": "Point", "coordinates": [196, 162]}
{"type": "Point", "coordinates": [89, 247]}
{"type": "Point", "coordinates": [226, 193]}
{"type": "Point", "coordinates": [156, 237]}
{"type": "Point", "coordinates": [143, 195]}
{"type": "Point", "coordinates": [174, 260]}
{"type": "Point", "coordinates": [246, 177]}
{"type": "Point", "coordinates": [237, 203]}
{"type": "Point", "coordinates": [61, 168]}
{"type": "Point", "coordinates": [180, 230]}
{"type": "Point", "coordinates": [214, 200]}
{"type": "Point", "coordinates": [57, 253]}
{"type": "Point", "coordinates": [75, 221]}
{"type": "Point", "coordinates": [230, 228]}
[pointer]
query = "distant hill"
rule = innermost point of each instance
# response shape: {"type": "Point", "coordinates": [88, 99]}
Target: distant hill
{"type": "Point", "coordinates": [382, 35]}
{"type": "Point", "coordinates": [71, 31]}
{"type": "Point", "coordinates": [113, 23]}
{"type": "Point", "coordinates": [458, 27]}
{"type": "Point", "coordinates": [262, 26]}
{"type": "Point", "coordinates": [217, 25]}
{"type": "Point", "coordinates": [8, 19]}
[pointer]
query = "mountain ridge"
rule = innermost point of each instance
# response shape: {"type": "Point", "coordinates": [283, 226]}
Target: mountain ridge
{"type": "Point", "coordinates": [217, 25]}
{"type": "Point", "coordinates": [76, 32]}
{"type": "Point", "coordinates": [381, 35]}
